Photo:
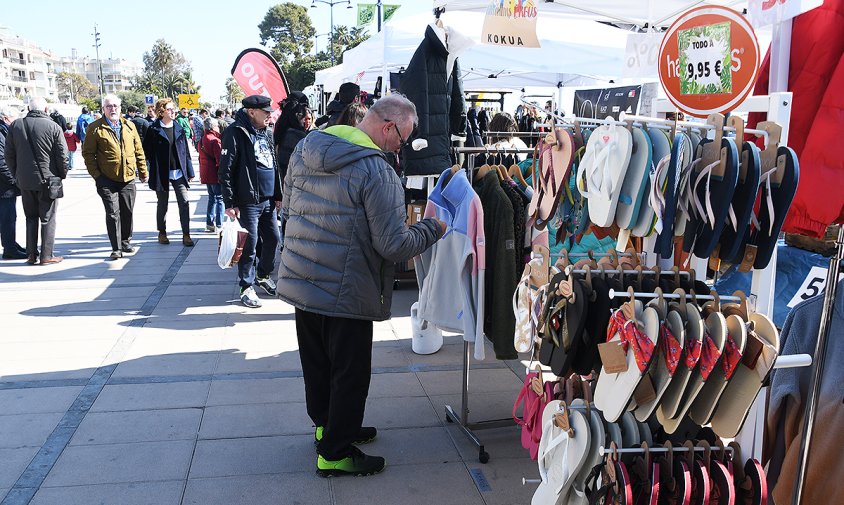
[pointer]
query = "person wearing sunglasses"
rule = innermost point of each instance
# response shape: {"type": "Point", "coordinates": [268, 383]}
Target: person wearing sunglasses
{"type": "Point", "coordinates": [345, 229]}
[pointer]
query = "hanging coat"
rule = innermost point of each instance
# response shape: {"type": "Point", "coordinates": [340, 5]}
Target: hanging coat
{"type": "Point", "coordinates": [437, 92]}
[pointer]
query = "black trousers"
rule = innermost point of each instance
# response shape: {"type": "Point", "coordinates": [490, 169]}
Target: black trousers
{"type": "Point", "coordinates": [180, 188]}
{"type": "Point", "coordinates": [336, 356]}
{"type": "Point", "coordinates": [119, 201]}
{"type": "Point", "coordinates": [40, 211]}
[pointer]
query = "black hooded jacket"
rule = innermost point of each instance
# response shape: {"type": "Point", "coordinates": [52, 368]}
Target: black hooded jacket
{"type": "Point", "coordinates": [238, 166]}
{"type": "Point", "coordinates": [439, 102]}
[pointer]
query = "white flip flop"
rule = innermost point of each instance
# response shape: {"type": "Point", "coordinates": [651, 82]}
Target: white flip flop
{"type": "Point", "coordinates": [693, 336]}
{"type": "Point", "coordinates": [601, 172]}
{"type": "Point", "coordinates": [560, 456]}
{"type": "Point", "coordinates": [632, 195]}
{"type": "Point", "coordinates": [704, 405]}
{"type": "Point", "coordinates": [661, 156]}
{"type": "Point", "coordinates": [669, 351]}
{"type": "Point", "coordinates": [598, 436]}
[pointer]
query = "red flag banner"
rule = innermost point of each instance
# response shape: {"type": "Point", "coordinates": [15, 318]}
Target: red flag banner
{"type": "Point", "coordinates": [258, 73]}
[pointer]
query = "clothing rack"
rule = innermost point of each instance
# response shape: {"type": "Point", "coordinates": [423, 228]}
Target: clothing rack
{"type": "Point", "coordinates": [603, 451]}
{"type": "Point", "coordinates": [672, 296]}
{"type": "Point", "coordinates": [462, 419]}
{"type": "Point", "coordinates": [811, 408]}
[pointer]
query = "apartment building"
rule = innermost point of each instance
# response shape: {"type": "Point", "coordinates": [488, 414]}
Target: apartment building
{"type": "Point", "coordinates": [25, 69]}
{"type": "Point", "coordinates": [117, 72]}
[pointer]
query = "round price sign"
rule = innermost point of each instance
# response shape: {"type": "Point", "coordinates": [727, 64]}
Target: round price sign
{"type": "Point", "coordinates": [708, 61]}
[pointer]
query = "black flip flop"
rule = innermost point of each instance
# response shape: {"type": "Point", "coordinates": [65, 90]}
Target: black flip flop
{"type": "Point", "coordinates": [735, 234]}
{"type": "Point", "coordinates": [575, 320]}
{"type": "Point", "coordinates": [721, 190]}
{"type": "Point", "coordinates": [781, 195]}
{"type": "Point", "coordinates": [597, 319]}
{"type": "Point", "coordinates": [680, 148]}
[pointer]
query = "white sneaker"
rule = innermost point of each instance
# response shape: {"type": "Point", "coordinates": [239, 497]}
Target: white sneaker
{"type": "Point", "coordinates": [249, 298]}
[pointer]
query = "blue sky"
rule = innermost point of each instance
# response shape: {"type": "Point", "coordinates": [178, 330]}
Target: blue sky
{"type": "Point", "coordinates": [210, 33]}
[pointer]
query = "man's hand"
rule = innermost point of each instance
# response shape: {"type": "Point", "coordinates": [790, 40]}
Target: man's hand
{"type": "Point", "coordinates": [190, 180]}
{"type": "Point", "coordinates": [233, 213]}
{"type": "Point", "coordinates": [278, 205]}
{"type": "Point", "coordinates": [443, 226]}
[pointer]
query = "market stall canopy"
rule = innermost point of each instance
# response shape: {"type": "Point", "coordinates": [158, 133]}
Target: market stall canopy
{"type": "Point", "coordinates": [635, 12]}
{"type": "Point", "coordinates": [574, 52]}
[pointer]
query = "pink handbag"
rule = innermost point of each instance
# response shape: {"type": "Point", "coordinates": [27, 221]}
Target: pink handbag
{"type": "Point", "coordinates": [534, 395]}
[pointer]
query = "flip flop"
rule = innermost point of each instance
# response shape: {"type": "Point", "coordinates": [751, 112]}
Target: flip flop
{"type": "Point", "coordinates": [668, 360]}
{"type": "Point", "coordinates": [561, 453]}
{"type": "Point", "coordinates": [758, 492]}
{"type": "Point", "coordinates": [776, 200]}
{"type": "Point", "coordinates": [598, 436]}
{"type": "Point", "coordinates": [760, 354]}
{"type": "Point", "coordinates": [681, 156]}
{"type": "Point", "coordinates": [660, 154]}
{"type": "Point", "coordinates": [552, 320]}
{"type": "Point", "coordinates": [670, 403]}
{"type": "Point", "coordinates": [554, 164]}
{"type": "Point", "coordinates": [675, 481]}
{"type": "Point", "coordinates": [704, 405]}
{"type": "Point", "coordinates": [715, 333]}
{"type": "Point", "coordinates": [630, 437]}
{"type": "Point", "coordinates": [735, 234]}
{"type": "Point", "coordinates": [614, 390]}
{"type": "Point", "coordinates": [600, 175]}
{"type": "Point", "coordinates": [597, 318]}
{"type": "Point", "coordinates": [711, 196]}
{"type": "Point", "coordinates": [633, 189]}
{"type": "Point", "coordinates": [683, 191]}
{"type": "Point", "coordinates": [575, 321]}
{"type": "Point", "coordinates": [723, 489]}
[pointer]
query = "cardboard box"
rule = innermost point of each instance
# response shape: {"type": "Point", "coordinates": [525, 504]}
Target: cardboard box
{"type": "Point", "coordinates": [415, 211]}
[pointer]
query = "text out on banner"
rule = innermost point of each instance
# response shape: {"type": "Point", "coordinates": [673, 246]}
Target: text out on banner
{"type": "Point", "coordinates": [641, 55]}
{"type": "Point", "coordinates": [513, 24]}
{"type": "Point", "coordinates": [257, 73]}
{"type": "Point", "coordinates": [768, 12]}
{"type": "Point", "coordinates": [708, 61]}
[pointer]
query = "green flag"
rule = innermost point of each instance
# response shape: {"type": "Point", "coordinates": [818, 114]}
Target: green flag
{"type": "Point", "coordinates": [367, 13]}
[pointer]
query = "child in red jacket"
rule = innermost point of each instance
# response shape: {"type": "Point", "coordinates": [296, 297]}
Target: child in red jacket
{"type": "Point", "coordinates": [72, 141]}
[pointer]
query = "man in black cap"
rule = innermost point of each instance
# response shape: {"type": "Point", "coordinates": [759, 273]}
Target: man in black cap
{"type": "Point", "coordinates": [349, 92]}
{"type": "Point", "coordinates": [251, 184]}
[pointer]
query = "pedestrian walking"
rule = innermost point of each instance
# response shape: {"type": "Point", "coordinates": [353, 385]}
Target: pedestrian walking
{"type": "Point", "coordinates": [141, 124]}
{"type": "Point", "coordinates": [82, 123]}
{"type": "Point", "coordinates": [184, 122]}
{"type": "Point", "coordinates": [72, 141]}
{"type": "Point", "coordinates": [36, 154]}
{"type": "Point", "coordinates": [166, 151]}
{"type": "Point", "coordinates": [251, 184]}
{"type": "Point", "coordinates": [114, 157]}
{"type": "Point", "coordinates": [210, 146]}
{"type": "Point", "coordinates": [58, 118]}
{"type": "Point", "coordinates": [9, 193]}
{"type": "Point", "coordinates": [345, 214]}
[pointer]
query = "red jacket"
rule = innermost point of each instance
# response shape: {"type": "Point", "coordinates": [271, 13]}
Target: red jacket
{"type": "Point", "coordinates": [209, 157]}
{"type": "Point", "coordinates": [71, 139]}
{"type": "Point", "coordinates": [816, 77]}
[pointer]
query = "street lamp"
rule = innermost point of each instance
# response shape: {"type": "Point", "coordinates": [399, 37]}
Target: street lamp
{"type": "Point", "coordinates": [331, 3]}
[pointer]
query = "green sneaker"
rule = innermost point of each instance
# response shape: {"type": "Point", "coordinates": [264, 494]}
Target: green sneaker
{"type": "Point", "coordinates": [365, 435]}
{"type": "Point", "coordinates": [357, 463]}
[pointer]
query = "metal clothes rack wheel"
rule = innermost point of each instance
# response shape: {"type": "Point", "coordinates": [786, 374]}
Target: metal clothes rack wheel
{"type": "Point", "coordinates": [818, 366]}
{"type": "Point", "coordinates": [462, 420]}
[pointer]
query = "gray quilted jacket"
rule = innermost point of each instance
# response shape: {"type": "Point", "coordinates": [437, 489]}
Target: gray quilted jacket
{"type": "Point", "coordinates": [345, 227]}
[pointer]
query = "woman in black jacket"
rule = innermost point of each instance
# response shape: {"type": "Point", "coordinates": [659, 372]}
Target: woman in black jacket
{"type": "Point", "coordinates": [166, 150]}
{"type": "Point", "coordinates": [290, 128]}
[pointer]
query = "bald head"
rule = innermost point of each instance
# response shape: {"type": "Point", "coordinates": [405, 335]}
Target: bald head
{"type": "Point", "coordinates": [390, 121]}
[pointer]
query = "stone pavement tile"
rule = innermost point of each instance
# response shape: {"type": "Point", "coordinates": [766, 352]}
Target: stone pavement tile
{"type": "Point", "coordinates": [202, 363]}
{"type": "Point", "coordinates": [253, 456]}
{"type": "Point", "coordinates": [480, 380]}
{"type": "Point", "coordinates": [137, 426]}
{"type": "Point", "coordinates": [207, 324]}
{"type": "Point", "coordinates": [504, 476]}
{"type": "Point", "coordinates": [201, 290]}
{"type": "Point", "coordinates": [13, 462]}
{"type": "Point", "coordinates": [395, 385]}
{"type": "Point", "coordinates": [27, 430]}
{"type": "Point", "coordinates": [409, 412]}
{"type": "Point", "coordinates": [388, 357]}
{"type": "Point", "coordinates": [133, 493]}
{"type": "Point", "coordinates": [37, 349]}
{"type": "Point", "coordinates": [303, 488]}
{"type": "Point", "coordinates": [278, 341]}
{"type": "Point", "coordinates": [270, 361]}
{"type": "Point", "coordinates": [410, 446]}
{"type": "Point", "coordinates": [449, 354]}
{"type": "Point", "coordinates": [38, 401]}
{"type": "Point", "coordinates": [482, 406]}
{"type": "Point", "coordinates": [145, 345]}
{"type": "Point", "coordinates": [176, 395]}
{"type": "Point", "coordinates": [78, 367]}
{"type": "Point", "coordinates": [423, 484]}
{"type": "Point", "coordinates": [111, 464]}
{"type": "Point", "coordinates": [234, 421]}
{"type": "Point", "coordinates": [498, 442]}
{"type": "Point", "coordinates": [238, 392]}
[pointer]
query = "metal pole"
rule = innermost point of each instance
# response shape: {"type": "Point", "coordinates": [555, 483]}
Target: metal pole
{"type": "Point", "coordinates": [331, 35]}
{"type": "Point", "coordinates": [379, 14]}
{"type": "Point", "coordinates": [817, 368]}
{"type": "Point", "coordinates": [99, 63]}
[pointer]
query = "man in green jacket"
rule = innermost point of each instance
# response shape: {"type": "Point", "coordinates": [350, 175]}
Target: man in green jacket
{"type": "Point", "coordinates": [184, 122]}
{"type": "Point", "coordinates": [114, 156]}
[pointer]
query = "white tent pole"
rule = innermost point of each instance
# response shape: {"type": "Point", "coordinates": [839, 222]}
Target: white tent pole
{"type": "Point", "coordinates": [385, 75]}
{"type": "Point", "coordinates": [780, 57]}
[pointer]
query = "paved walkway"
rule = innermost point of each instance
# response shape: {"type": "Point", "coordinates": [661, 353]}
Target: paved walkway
{"type": "Point", "coordinates": [144, 381]}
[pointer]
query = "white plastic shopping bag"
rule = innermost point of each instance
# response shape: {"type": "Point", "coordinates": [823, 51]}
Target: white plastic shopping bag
{"type": "Point", "coordinates": [232, 240]}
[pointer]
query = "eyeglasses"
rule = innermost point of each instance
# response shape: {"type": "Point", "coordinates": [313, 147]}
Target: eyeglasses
{"type": "Point", "coordinates": [396, 126]}
{"type": "Point", "coordinates": [111, 106]}
{"type": "Point", "coordinates": [169, 108]}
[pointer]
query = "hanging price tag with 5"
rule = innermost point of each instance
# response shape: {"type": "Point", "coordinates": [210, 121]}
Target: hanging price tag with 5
{"type": "Point", "coordinates": [705, 60]}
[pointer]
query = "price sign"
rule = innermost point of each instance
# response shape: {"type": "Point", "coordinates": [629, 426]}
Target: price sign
{"type": "Point", "coordinates": [705, 58]}
{"type": "Point", "coordinates": [708, 61]}
{"type": "Point", "coordinates": [813, 285]}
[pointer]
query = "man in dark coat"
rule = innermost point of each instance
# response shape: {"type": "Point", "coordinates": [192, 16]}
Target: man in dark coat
{"type": "Point", "coordinates": [9, 193]}
{"type": "Point", "coordinates": [141, 124]}
{"type": "Point", "coordinates": [36, 153]}
{"type": "Point", "coordinates": [349, 91]}
{"type": "Point", "coordinates": [251, 184]}
{"type": "Point", "coordinates": [346, 228]}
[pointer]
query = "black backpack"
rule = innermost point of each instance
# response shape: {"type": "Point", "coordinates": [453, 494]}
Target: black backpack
{"type": "Point", "coordinates": [59, 119]}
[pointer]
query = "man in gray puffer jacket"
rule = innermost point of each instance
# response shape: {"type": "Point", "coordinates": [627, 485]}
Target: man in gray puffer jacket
{"type": "Point", "coordinates": [345, 215]}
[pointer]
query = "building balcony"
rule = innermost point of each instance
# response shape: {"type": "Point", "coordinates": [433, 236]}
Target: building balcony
{"type": "Point", "coordinates": [19, 61]}
{"type": "Point", "coordinates": [19, 78]}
